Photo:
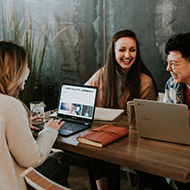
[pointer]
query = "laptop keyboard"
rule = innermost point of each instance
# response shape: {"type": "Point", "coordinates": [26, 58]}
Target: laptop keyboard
{"type": "Point", "coordinates": [70, 126]}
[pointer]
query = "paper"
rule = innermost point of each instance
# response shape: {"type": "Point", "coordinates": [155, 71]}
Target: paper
{"type": "Point", "coordinates": [107, 114]}
{"type": "Point", "coordinates": [53, 114]}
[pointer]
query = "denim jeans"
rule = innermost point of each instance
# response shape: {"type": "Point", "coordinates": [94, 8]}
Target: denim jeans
{"type": "Point", "coordinates": [55, 167]}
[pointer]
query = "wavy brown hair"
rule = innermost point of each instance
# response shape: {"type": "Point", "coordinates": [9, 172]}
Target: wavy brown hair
{"type": "Point", "coordinates": [133, 77]}
{"type": "Point", "coordinates": [13, 61]}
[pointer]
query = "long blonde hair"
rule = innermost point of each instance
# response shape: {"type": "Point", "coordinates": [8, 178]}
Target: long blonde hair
{"type": "Point", "coordinates": [13, 61]}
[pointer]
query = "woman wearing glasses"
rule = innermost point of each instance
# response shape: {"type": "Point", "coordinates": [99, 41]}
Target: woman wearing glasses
{"type": "Point", "coordinates": [177, 90]}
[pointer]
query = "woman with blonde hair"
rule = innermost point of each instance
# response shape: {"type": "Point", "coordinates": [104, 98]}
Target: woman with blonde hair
{"type": "Point", "coordinates": [18, 149]}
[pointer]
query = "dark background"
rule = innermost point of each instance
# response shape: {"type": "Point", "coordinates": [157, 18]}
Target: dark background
{"type": "Point", "coordinates": [81, 50]}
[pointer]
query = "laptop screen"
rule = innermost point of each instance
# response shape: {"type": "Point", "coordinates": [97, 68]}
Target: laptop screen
{"type": "Point", "coordinates": [77, 101]}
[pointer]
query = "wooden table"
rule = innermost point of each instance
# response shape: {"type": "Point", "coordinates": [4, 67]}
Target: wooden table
{"type": "Point", "coordinates": [160, 158]}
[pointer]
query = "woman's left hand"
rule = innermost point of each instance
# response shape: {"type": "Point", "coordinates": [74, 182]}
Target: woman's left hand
{"type": "Point", "coordinates": [32, 125]}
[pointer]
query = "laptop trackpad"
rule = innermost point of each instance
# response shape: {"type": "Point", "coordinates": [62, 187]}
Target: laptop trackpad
{"type": "Point", "coordinates": [65, 132]}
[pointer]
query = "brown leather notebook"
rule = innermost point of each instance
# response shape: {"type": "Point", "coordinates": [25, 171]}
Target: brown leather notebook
{"type": "Point", "coordinates": [103, 135]}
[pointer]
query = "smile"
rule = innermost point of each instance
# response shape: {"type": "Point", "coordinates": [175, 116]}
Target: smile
{"type": "Point", "coordinates": [174, 75]}
{"type": "Point", "coordinates": [126, 60]}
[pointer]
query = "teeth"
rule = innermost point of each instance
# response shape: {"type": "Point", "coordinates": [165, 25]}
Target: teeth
{"type": "Point", "coordinates": [173, 74]}
{"type": "Point", "coordinates": [126, 61]}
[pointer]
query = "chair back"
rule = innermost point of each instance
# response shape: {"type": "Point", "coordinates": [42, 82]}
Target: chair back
{"type": "Point", "coordinates": [35, 180]}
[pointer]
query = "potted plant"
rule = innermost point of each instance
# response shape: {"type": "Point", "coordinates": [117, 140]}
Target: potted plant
{"type": "Point", "coordinates": [35, 47]}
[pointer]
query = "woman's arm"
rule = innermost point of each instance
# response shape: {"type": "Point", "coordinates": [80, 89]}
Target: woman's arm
{"type": "Point", "coordinates": [147, 90]}
{"type": "Point", "coordinates": [25, 149]}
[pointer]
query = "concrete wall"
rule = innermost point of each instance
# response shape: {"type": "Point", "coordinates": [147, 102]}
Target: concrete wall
{"type": "Point", "coordinates": [81, 50]}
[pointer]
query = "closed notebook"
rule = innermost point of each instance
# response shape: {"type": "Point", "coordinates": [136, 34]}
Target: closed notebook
{"type": "Point", "coordinates": [103, 135]}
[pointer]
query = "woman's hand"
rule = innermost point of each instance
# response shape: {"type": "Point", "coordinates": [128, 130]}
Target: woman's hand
{"type": "Point", "coordinates": [32, 125]}
{"type": "Point", "coordinates": [54, 123]}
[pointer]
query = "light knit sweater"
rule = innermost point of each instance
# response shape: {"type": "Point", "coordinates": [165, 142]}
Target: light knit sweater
{"type": "Point", "coordinates": [18, 149]}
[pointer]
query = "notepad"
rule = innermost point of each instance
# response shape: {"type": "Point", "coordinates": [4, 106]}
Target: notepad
{"type": "Point", "coordinates": [103, 135]}
{"type": "Point", "coordinates": [53, 115]}
{"type": "Point", "coordinates": [107, 114]}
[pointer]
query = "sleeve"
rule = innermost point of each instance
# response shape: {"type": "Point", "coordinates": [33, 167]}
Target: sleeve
{"type": "Point", "coordinates": [25, 149]}
{"type": "Point", "coordinates": [93, 81]}
{"type": "Point", "coordinates": [147, 88]}
{"type": "Point", "coordinates": [96, 78]}
{"type": "Point", "coordinates": [166, 97]}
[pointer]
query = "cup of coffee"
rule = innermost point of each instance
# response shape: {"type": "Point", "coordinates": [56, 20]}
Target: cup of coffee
{"type": "Point", "coordinates": [131, 115]}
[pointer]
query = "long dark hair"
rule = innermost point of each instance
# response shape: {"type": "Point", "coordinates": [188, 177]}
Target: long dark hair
{"type": "Point", "coordinates": [133, 77]}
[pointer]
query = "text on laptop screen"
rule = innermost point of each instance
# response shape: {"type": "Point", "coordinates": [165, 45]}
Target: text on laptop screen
{"type": "Point", "coordinates": [77, 101]}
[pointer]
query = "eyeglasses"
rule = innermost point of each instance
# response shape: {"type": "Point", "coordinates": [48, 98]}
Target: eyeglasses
{"type": "Point", "coordinates": [172, 65]}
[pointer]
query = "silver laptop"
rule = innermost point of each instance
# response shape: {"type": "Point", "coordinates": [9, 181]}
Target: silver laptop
{"type": "Point", "coordinates": [162, 121]}
{"type": "Point", "coordinates": [76, 106]}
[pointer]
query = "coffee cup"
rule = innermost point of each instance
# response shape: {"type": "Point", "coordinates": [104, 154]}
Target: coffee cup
{"type": "Point", "coordinates": [131, 115]}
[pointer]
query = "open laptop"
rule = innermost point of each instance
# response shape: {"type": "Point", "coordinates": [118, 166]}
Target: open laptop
{"type": "Point", "coordinates": [76, 106]}
{"type": "Point", "coordinates": [162, 121]}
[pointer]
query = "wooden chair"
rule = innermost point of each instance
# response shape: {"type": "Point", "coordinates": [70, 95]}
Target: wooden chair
{"type": "Point", "coordinates": [132, 180]}
{"type": "Point", "coordinates": [35, 180]}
